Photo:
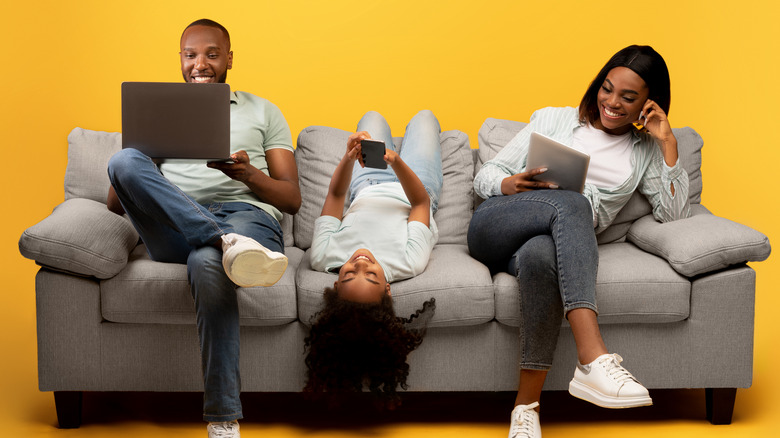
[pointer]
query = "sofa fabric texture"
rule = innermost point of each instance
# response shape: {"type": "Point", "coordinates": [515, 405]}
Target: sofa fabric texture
{"type": "Point", "coordinates": [676, 300]}
{"type": "Point", "coordinates": [81, 236]}
{"type": "Point", "coordinates": [701, 243]}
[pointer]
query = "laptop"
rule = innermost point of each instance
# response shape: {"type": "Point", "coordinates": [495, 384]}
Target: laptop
{"type": "Point", "coordinates": [566, 166]}
{"type": "Point", "coordinates": [177, 120]}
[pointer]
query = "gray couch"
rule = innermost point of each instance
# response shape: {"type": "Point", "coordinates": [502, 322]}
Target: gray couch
{"type": "Point", "coordinates": [676, 300]}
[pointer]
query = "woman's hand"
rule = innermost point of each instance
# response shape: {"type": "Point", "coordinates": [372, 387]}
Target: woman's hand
{"type": "Point", "coordinates": [523, 182]}
{"type": "Point", "coordinates": [657, 125]}
{"type": "Point", "coordinates": [354, 149]}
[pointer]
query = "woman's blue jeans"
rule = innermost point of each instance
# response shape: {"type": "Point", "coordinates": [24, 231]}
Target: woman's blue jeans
{"type": "Point", "coordinates": [545, 239]}
{"type": "Point", "coordinates": [420, 150]}
{"type": "Point", "coordinates": [176, 229]}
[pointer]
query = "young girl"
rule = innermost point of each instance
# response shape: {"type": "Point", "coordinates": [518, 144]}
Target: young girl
{"type": "Point", "coordinates": [386, 235]}
{"type": "Point", "coordinates": [547, 238]}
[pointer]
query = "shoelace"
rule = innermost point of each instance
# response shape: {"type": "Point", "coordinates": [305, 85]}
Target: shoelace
{"type": "Point", "coordinates": [615, 370]}
{"type": "Point", "coordinates": [227, 429]}
{"type": "Point", "coordinates": [523, 422]}
{"type": "Point", "coordinates": [230, 240]}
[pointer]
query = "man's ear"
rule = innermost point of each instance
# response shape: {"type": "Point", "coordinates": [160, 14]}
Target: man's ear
{"type": "Point", "coordinates": [387, 288]}
{"type": "Point", "coordinates": [230, 60]}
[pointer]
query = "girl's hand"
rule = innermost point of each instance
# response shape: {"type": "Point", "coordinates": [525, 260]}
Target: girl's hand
{"type": "Point", "coordinates": [523, 182]}
{"type": "Point", "coordinates": [391, 157]}
{"type": "Point", "coordinates": [354, 147]}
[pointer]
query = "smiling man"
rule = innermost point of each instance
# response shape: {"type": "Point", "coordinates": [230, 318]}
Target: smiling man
{"type": "Point", "coordinates": [221, 219]}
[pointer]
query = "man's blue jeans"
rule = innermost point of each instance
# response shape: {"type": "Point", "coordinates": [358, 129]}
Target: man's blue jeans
{"type": "Point", "coordinates": [176, 229]}
{"type": "Point", "coordinates": [420, 150]}
{"type": "Point", "coordinates": [545, 238]}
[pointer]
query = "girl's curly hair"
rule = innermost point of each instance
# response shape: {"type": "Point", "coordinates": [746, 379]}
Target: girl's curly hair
{"type": "Point", "coordinates": [351, 344]}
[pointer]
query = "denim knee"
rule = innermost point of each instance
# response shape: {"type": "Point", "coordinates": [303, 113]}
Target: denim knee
{"type": "Point", "coordinates": [372, 118]}
{"type": "Point", "coordinates": [573, 203]}
{"type": "Point", "coordinates": [536, 255]}
{"type": "Point", "coordinates": [426, 116]}
{"type": "Point", "coordinates": [124, 163]}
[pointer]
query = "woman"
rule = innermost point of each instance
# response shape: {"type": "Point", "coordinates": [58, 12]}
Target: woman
{"type": "Point", "coordinates": [547, 237]}
{"type": "Point", "coordinates": [386, 235]}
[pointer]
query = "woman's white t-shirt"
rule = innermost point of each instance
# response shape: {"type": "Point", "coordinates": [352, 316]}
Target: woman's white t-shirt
{"type": "Point", "coordinates": [610, 155]}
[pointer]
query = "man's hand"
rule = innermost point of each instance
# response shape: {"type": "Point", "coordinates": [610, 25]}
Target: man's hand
{"type": "Point", "coordinates": [279, 188]}
{"type": "Point", "coordinates": [239, 169]}
{"type": "Point", "coordinates": [523, 182]}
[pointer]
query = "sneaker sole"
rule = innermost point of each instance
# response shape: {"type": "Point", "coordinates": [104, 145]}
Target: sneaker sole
{"type": "Point", "coordinates": [585, 392]}
{"type": "Point", "coordinates": [256, 268]}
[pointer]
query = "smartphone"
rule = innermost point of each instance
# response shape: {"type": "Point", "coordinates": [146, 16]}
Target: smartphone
{"type": "Point", "coordinates": [374, 153]}
{"type": "Point", "coordinates": [640, 122]}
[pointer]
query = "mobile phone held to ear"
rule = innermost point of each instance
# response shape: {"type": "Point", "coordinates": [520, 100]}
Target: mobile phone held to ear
{"type": "Point", "coordinates": [373, 153]}
{"type": "Point", "coordinates": [640, 122]}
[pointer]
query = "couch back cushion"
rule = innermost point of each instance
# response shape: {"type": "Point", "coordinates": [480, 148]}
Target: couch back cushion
{"type": "Point", "coordinates": [320, 149]}
{"type": "Point", "coordinates": [86, 174]}
{"type": "Point", "coordinates": [496, 133]}
{"type": "Point", "coordinates": [88, 154]}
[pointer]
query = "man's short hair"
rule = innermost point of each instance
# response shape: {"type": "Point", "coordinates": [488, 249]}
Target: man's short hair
{"type": "Point", "coordinates": [209, 23]}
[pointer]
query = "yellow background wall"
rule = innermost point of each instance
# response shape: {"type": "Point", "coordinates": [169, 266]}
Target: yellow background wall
{"type": "Point", "coordinates": [327, 62]}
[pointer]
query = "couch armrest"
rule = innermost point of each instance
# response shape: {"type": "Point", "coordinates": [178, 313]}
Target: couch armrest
{"type": "Point", "coordinates": [80, 236]}
{"type": "Point", "coordinates": [701, 243]}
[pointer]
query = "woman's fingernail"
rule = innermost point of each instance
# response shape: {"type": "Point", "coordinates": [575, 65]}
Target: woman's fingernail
{"type": "Point", "coordinates": [553, 186]}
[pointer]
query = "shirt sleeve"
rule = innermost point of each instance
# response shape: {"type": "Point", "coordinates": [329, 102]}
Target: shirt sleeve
{"type": "Point", "coordinates": [324, 228]}
{"type": "Point", "coordinates": [277, 135]}
{"type": "Point", "coordinates": [509, 161]}
{"type": "Point", "coordinates": [512, 158]}
{"type": "Point", "coordinates": [419, 246]}
{"type": "Point", "coordinates": [656, 185]}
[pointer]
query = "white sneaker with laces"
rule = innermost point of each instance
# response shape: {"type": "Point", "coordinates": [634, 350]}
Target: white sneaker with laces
{"type": "Point", "coordinates": [225, 429]}
{"type": "Point", "coordinates": [604, 382]}
{"type": "Point", "coordinates": [525, 422]}
{"type": "Point", "coordinates": [248, 263]}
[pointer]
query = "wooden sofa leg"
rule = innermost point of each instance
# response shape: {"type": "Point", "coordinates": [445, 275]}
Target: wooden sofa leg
{"type": "Point", "coordinates": [720, 404]}
{"type": "Point", "coordinates": [68, 405]}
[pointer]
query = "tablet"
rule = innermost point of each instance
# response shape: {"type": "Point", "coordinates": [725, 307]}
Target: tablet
{"type": "Point", "coordinates": [566, 166]}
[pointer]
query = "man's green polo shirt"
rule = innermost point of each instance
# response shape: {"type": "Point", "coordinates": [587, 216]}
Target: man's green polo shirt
{"type": "Point", "coordinates": [256, 126]}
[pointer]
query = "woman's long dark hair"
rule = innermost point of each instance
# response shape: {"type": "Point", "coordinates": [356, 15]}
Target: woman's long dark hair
{"type": "Point", "coordinates": [351, 344]}
{"type": "Point", "coordinates": [644, 61]}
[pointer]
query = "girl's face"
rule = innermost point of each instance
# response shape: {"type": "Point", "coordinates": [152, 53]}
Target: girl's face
{"type": "Point", "coordinates": [362, 279]}
{"type": "Point", "coordinates": [620, 100]}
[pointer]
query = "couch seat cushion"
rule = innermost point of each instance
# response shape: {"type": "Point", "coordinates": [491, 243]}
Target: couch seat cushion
{"type": "Point", "coordinates": [462, 287]}
{"type": "Point", "coordinates": [150, 292]}
{"type": "Point", "coordinates": [632, 286]}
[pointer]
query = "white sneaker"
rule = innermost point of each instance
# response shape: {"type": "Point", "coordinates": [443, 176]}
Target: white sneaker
{"type": "Point", "coordinates": [248, 263]}
{"type": "Point", "coordinates": [605, 383]}
{"type": "Point", "coordinates": [525, 422]}
{"type": "Point", "coordinates": [225, 429]}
